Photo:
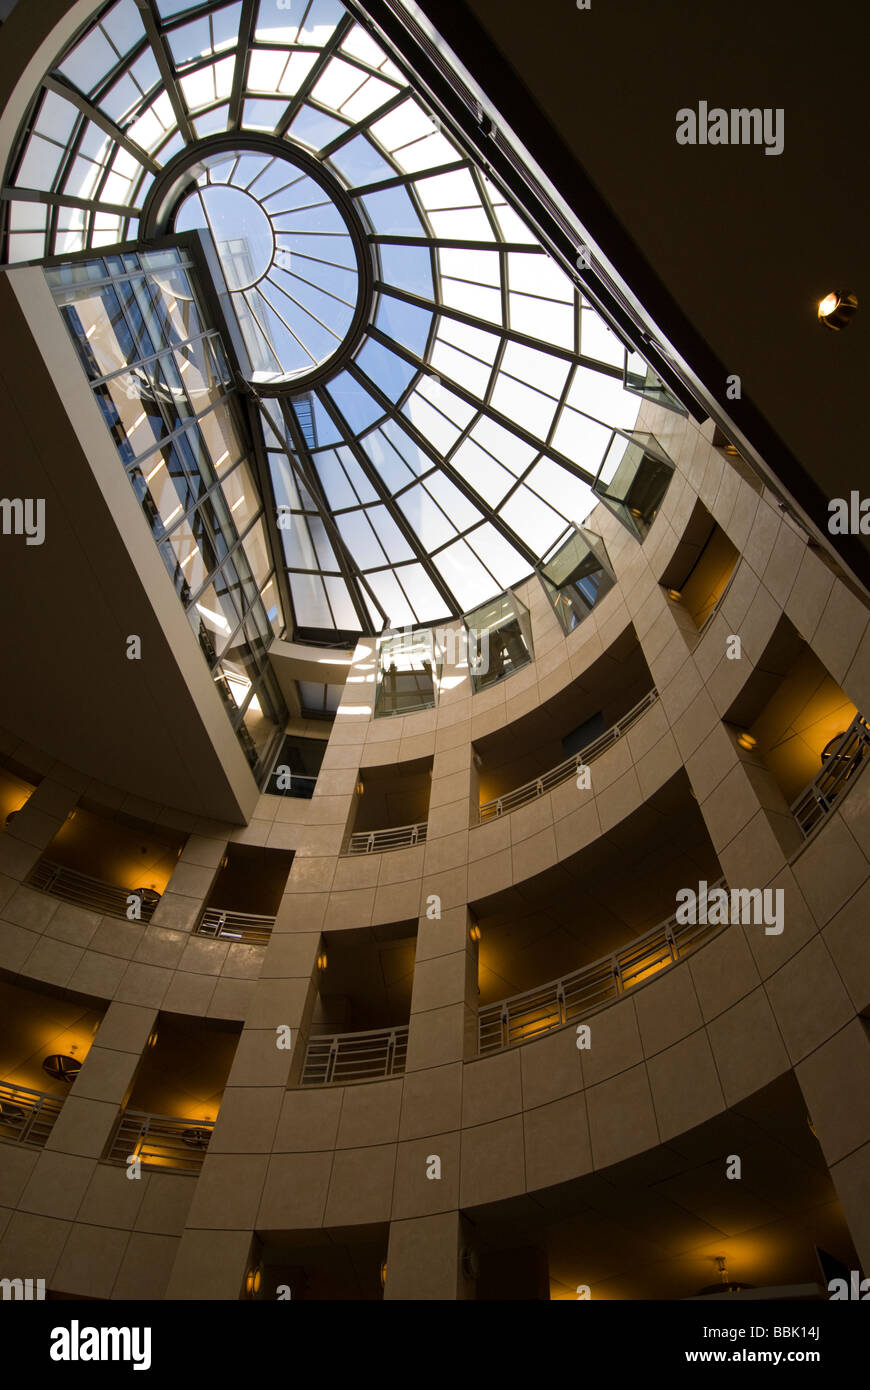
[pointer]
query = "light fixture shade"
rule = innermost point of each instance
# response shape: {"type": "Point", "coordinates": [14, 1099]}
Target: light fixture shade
{"type": "Point", "coordinates": [837, 310]}
{"type": "Point", "coordinates": [321, 960]}
{"type": "Point", "coordinates": [746, 740]}
{"type": "Point", "coordinates": [62, 1067]}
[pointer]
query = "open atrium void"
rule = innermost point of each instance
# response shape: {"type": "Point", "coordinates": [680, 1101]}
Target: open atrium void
{"type": "Point", "coordinates": [435, 855]}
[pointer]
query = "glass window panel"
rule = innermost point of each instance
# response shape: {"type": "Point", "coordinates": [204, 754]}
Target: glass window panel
{"type": "Point", "coordinates": [439, 432]}
{"type": "Point", "coordinates": [489, 478]}
{"type": "Point", "coordinates": [528, 407]}
{"type": "Point", "coordinates": [389, 535]}
{"type": "Point", "coordinates": [427, 519]}
{"type": "Point", "coordinates": [90, 60]}
{"type": "Point", "coordinates": [532, 519]}
{"type": "Point", "coordinates": [392, 598]}
{"type": "Point", "coordinates": [336, 484]}
{"type": "Point", "coordinates": [221, 437]}
{"type": "Point", "coordinates": [309, 601]}
{"type": "Point", "coordinates": [355, 403]}
{"type": "Point", "coordinates": [315, 128]}
{"type": "Point", "coordinates": [604, 398]}
{"type": "Point", "coordinates": [596, 339]}
{"type": "Point", "coordinates": [569, 495]}
{"type": "Point", "coordinates": [392, 213]}
{"type": "Point", "coordinates": [499, 556]}
{"type": "Point", "coordinates": [361, 540]}
{"type": "Point", "coordinates": [388, 371]}
{"type": "Point", "coordinates": [57, 118]}
{"type": "Point", "coordinates": [359, 163]}
{"type": "Point", "coordinates": [271, 601]}
{"type": "Point", "coordinates": [342, 606]}
{"type": "Point", "coordinates": [391, 468]}
{"type": "Point", "coordinates": [535, 368]}
{"type": "Point", "coordinates": [580, 439]}
{"type": "Point", "coordinates": [408, 122]}
{"type": "Point", "coordinates": [242, 499]}
{"type": "Point", "coordinates": [409, 267]}
{"type": "Point", "coordinates": [541, 318]}
{"type": "Point", "coordinates": [407, 323]}
{"type": "Point", "coordinates": [465, 575]}
{"type": "Point", "coordinates": [40, 164]}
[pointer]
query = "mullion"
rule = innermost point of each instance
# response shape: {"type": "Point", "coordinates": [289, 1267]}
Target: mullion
{"type": "Point", "coordinates": [361, 126]}
{"type": "Point", "coordinates": [511, 334]}
{"type": "Point", "coordinates": [374, 480]}
{"type": "Point", "coordinates": [506, 532]}
{"type": "Point", "coordinates": [511, 426]}
{"type": "Point", "coordinates": [307, 471]}
{"type": "Point", "coordinates": [106, 124]}
{"type": "Point", "coordinates": [399, 180]}
{"type": "Point", "coordinates": [337, 37]}
{"type": "Point", "coordinates": [160, 49]}
{"type": "Point", "coordinates": [247, 24]}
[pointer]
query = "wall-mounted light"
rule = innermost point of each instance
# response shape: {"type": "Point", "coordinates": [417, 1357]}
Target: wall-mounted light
{"type": "Point", "coordinates": [837, 310]}
{"type": "Point", "coordinates": [474, 932]}
{"type": "Point", "coordinates": [675, 595]}
{"type": "Point", "coordinates": [152, 1040]}
{"type": "Point", "coordinates": [321, 960]}
{"type": "Point", "coordinates": [746, 740]}
{"type": "Point", "coordinates": [253, 1281]}
{"type": "Point", "coordinates": [383, 1274]}
{"type": "Point", "coordinates": [812, 1126]}
{"type": "Point", "coordinates": [469, 1263]}
{"type": "Point", "coordinates": [360, 788]}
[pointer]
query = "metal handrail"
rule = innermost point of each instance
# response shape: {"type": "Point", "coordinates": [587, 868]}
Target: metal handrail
{"type": "Point", "coordinates": [340, 1059]}
{"type": "Point", "coordinates": [816, 800]}
{"type": "Point", "coordinates": [160, 1141]}
{"type": "Point", "coordinates": [27, 1116]}
{"type": "Point", "coordinates": [525, 1016]}
{"type": "Point", "coordinates": [395, 837]}
{"type": "Point", "coordinates": [250, 927]}
{"type": "Point", "coordinates": [563, 772]}
{"type": "Point", "coordinates": [95, 894]}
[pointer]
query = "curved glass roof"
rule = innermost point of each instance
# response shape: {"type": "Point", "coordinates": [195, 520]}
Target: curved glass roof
{"type": "Point", "coordinates": [450, 451]}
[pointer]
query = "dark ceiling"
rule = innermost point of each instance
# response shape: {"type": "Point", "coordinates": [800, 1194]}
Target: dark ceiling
{"type": "Point", "coordinates": [730, 249]}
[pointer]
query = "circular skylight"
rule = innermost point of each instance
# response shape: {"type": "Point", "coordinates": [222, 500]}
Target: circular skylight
{"type": "Point", "coordinates": [287, 257]}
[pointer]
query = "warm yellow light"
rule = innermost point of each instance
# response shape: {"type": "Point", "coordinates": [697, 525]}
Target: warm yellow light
{"type": "Point", "coordinates": [321, 960]}
{"type": "Point", "coordinates": [675, 595]}
{"type": "Point", "coordinates": [383, 1274]}
{"type": "Point", "coordinates": [253, 1280]}
{"type": "Point", "coordinates": [746, 740]}
{"type": "Point", "coordinates": [836, 311]}
{"type": "Point", "coordinates": [474, 933]}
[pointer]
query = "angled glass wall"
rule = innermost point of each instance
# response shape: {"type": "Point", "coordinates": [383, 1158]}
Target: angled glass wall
{"type": "Point", "coordinates": [577, 576]}
{"type": "Point", "coordinates": [161, 379]}
{"type": "Point", "coordinates": [633, 480]}
{"type": "Point", "coordinates": [640, 378]}
{"type": "Point", "coordinates": [499, 640]}
{"type": "Point", "coordinates": [409, 668]}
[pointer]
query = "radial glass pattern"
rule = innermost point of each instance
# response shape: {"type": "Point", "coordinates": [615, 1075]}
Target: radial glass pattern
{"type": "Point", "coordinates": [286, 255]}
{"type": "Point", "coordinates": [452, 446]}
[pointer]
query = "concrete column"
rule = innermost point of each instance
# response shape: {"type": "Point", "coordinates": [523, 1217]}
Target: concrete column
{"type": "Point", "coordinates": [187, 890]}
{"type": "Point", "coordinates": [425, 1259]}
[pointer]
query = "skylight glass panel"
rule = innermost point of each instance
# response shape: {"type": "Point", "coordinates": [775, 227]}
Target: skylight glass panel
{"type": "Point", "coordinates": [356, 405]}
{"type": "Point", "coordinates": [428, 520]}
{"type": "Point", "coordinates": [90, 61]}
{"type": "Point", "coordinates": [502, 560]}
{"type": "Point", "coordinates": [432, 424]}
{"type": "Point", "coordinates": [392, 213]}
{"type": "Point", "coordinates": [359, 163]}
{"type": "Point", "coordinates": [343, 611]}
{"type": "Point", "coordinates": [511, 451]}
{"type": "Point", "coordinates": [533, 519]}
{"type": "Point", "coordinates": [407, 323]}
{"type": "Point", "coordinates": [361, 540]}
{"type": "Point", "coordinates": [580, 439]}
{"type": "Point", "coordinates": [596, 339]}
{"type": "Point", "coordinates": [57, 118]}
{"type": "Point", "coordinates": [568, 494]}
{"type": "Point", "coordinates": [465, 575]}
{"type": "Point", "coordinates": [388, 371]}
{"type": "Point", "coordinates": [391, 468]}
{"type": "Point", "coordinates": [321, 18]}
{"type": "Point", "coordinates": [409, 267]}
{"type": "Point", "coordinates": [426, 152]}
{"type": "Point", "coordinates": [361, 45]}
{"type": "Point", "coordinates": [543, 319]}
{"type": "Point", "coordinates": [457, 506]}
{"type": "Point", "coordinates": [408, 122]}
{"type": "Point", "coordinates": [603, 397]}
{"type": "Point", "coordinates": [336, 484]}
{"type": "Point", "coordinates": [490, 480]}
{"type": "Point", "coordinates": [315, 128]}
{"type": "Point", "coordinates": [526, 405]}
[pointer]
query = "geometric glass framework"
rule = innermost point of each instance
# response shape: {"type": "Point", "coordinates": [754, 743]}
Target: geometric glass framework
{"type": "Point", "coordinates": [286, 254]}
{"type": "Point", "coordinates": [423, 460]}
{"type": "Point", "coordinates": [577, 577]}
{"type": "Point", "coordinates": [160, 378]}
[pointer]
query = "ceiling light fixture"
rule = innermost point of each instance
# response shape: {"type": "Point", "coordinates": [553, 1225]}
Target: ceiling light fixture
{"type": "Point", "coordinates": [836, 311]}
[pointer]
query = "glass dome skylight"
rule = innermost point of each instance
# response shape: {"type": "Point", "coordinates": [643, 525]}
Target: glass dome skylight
{"type": "Point", "coordinates": [432, 459]}
{"type": "Point", "coordinates": [286, 255]}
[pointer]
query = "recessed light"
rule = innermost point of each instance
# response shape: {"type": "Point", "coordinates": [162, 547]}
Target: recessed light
{"type": "Point", "coordinates": [837, 310]}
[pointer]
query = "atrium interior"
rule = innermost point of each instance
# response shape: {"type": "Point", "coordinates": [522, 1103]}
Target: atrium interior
{"type": "Point", "coordinates": [401, 619]}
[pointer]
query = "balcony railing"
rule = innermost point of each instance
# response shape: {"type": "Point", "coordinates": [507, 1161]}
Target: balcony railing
{"type": "Point", "coordinates": [250, 927]}
{"type": "Point", "coordinates": [343, 1058]}
{"type": "Point", "coordinates": [161, 1141]}
{"type": "Point", "coordinates": [26, 1117]}
{"type": "Point", "coordinates": [526, 1016]}
{"type": "Point", "coordinates": [396, 837]}
{"type": "Point", "coordinates": [843, 764]}
{"type": "Point", "coordinates": [529, 791]}
{"type": "Point", "coordinates": [92, 893]}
